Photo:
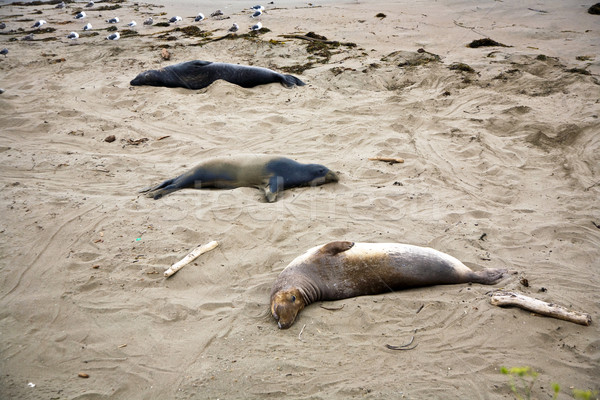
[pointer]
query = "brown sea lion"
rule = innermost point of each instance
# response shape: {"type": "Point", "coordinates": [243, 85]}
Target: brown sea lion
{"type": "Point", "coordinates": [200, 74]}
{"type": "Point", "coordinates": [272, 174]}
{"type": "Point", "coordinates": [339, 270]}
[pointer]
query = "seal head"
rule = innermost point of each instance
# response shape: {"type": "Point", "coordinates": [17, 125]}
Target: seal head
{"type": "Point", "coordinates": [285, 305]}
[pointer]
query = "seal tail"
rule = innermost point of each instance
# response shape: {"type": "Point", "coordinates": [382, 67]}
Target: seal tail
{"type": "Point", "coordinates": [289, 81]}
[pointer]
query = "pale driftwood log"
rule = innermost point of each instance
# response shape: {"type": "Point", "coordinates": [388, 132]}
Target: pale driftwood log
{"type": "Point", "coordinates": [504, 299]}
{"type": "Point", "coordinates": [197, 252]}
{"type": "Point", "coordinates": [391, 160]}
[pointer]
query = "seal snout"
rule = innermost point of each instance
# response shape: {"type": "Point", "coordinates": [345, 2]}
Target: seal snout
{"type": "Point", "coordinates": [331, 176]}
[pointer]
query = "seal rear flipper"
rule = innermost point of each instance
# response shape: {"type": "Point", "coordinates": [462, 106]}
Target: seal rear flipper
{"type": "Point", "coordinates": [334, 248]}
{"type": "Point", "coordinates": [156, 187]}
{"type": "Point", "coordinates": [488, 276]}
{"type": "Point", "coordinates": [289, 81]}
{"type": "Point", "coordinates": [160, 192]}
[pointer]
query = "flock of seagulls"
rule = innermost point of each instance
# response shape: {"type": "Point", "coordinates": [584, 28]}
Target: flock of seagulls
{"type": "Point", "coordinates": [256, 10]}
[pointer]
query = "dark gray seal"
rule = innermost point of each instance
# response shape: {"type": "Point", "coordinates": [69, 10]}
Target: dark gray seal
{"type": "Point", "coordinates": [269, 173]}
{"type": "Point", "coordinates": [200, 74]}
{"type": "Point", "coordinates": [339, 270]}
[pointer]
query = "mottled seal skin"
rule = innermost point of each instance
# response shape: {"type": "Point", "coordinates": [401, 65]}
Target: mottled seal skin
{"type": "Point", "coordinates": [269, 173]}
{"type": "Point", "coordinates": [200, 74]}
{"type": "Point", "coordinates": [339, 270]}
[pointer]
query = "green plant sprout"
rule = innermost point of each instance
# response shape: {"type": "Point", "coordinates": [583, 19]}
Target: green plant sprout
{"type": "Point", "coordinates": [522, 380]}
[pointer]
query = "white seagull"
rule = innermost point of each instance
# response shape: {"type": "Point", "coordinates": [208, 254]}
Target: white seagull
{"type": "Point", "coordinates": [132, 24]}
{"type": "Point", "coordinates": [38, 23]}
{"type": "Point", "coordinates": [90, 4]}
{"type": "Point", "coordinates": [256, 26]}
{"type": "Point", "coordinates": [176, 18]}
{"type": "Point", "coordinates": [73, 35]}
{"type": "Point", "coordinates": [80, 15]}
{"type": "Point", "coordinates": [149, 21]}
{"type": "Point", "coordinates": [234, 28]}
{"type": "Point", "coordinates": [256, 14]}
{"type": "Point", "coordinates": [60, 5]}
{"type": "Point", "coordinates": [114, 36]}
{"type": "Point", "coordinates": [199, 17]}
{"type": "Point", "coordinates": [87, 27]}
{"type": "Point", "coordinates": [113, 20]}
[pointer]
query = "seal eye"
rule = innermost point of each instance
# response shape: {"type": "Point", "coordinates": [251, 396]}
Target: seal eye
{"type": "Point", "coordinates": [293, 299]}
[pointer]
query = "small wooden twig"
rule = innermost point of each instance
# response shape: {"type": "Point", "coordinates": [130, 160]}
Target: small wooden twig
{"type": "Point", "coordinates": [402, 346]}
{"type": "Point", "coordinates": [198, 251]}
{"type": "Point", "coordinates": [301, 330]}
{"type": "Point", "coordinates": [504, 299]}
{"type": "Point", "coordinates": [332, 308]}
{"type": "Point", "coordinates": [391, 160]}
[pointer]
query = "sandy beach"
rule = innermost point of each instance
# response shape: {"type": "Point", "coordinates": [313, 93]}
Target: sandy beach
{"type": "Point", "coordinates": [501, 149]}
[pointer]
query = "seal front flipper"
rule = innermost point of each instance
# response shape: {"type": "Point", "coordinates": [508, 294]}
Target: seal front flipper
{"type": "Point", "coordinates": [334, 248]}
{"type": "Point", "coordinates": [273, 187]}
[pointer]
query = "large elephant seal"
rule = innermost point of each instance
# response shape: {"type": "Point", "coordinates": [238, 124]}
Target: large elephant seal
{"type": "Point", "coordinates": [269, 173]}
{"type": "Point", "coordinates": [339, 270]}
{"type": "Point", "coordinates": [200, 74]}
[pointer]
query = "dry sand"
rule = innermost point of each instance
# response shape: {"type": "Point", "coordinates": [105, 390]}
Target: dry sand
{"type": "Point", "coordinates": [502, 170]}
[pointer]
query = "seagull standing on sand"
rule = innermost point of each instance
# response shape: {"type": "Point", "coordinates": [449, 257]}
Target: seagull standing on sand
{"type": "Point", "coordinates": [256, 14]}
{"type": "Point", "coordinates": [256, 26]}
{"type": "Point", "coordinates": [4, 52]}
{"type": "Point", "coordinates": [87, 27]}
{"type": "Point", "coordinates": [73, 35]}
{"type": "Point", "coordinates": [217, 13]}
{"type": "Point", "coordinates": [132, 24]}
{"type": "Point", "coordinates": [90, 4]}
{"type": "Point", "coordinates": [114, 36]}
{"type": "Point", "coordinates": [234, 28]}
{"type": "Point", "coordinates": [80, 15]}
{"type": "Point", "coordinates": [149, 21]}
{"type": "Point", "coordinates": [113, 20]}
{"type": "Point", "coordinates": [176, 18]}
{"type": "Point", "coordinates": [38, 23]}
{"type": "Point", "coordinates": [60, 5]}
{"type": "Point", "coordinates": [2, 25]}
{"type": "Point", "coordinates": [199, 17]}
{"type": "Point", "coordinates": [257, 7]}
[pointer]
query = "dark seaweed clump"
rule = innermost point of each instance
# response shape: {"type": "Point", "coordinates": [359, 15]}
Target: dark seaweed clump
{"type": "Point", "coordinates": [109, 8]}
{"type": "Point", "coordinates": [193, 30]}
{"type": "Point", "coordinates": [595, 9]}
{"type": "Point", "coordinates": [487, 42]}
{"type": "Point", "coordinates": [461, 67]}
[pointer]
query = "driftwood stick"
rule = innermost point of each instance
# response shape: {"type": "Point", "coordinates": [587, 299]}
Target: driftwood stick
{"type": "Point", "coordinates": [391, 160]}
{"type": "Point", "coordinates": [312, 39]}
{"type": "Point", "coordinates": [197, 252]}
{"type": "Point", "coordinates": [504, 299]}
